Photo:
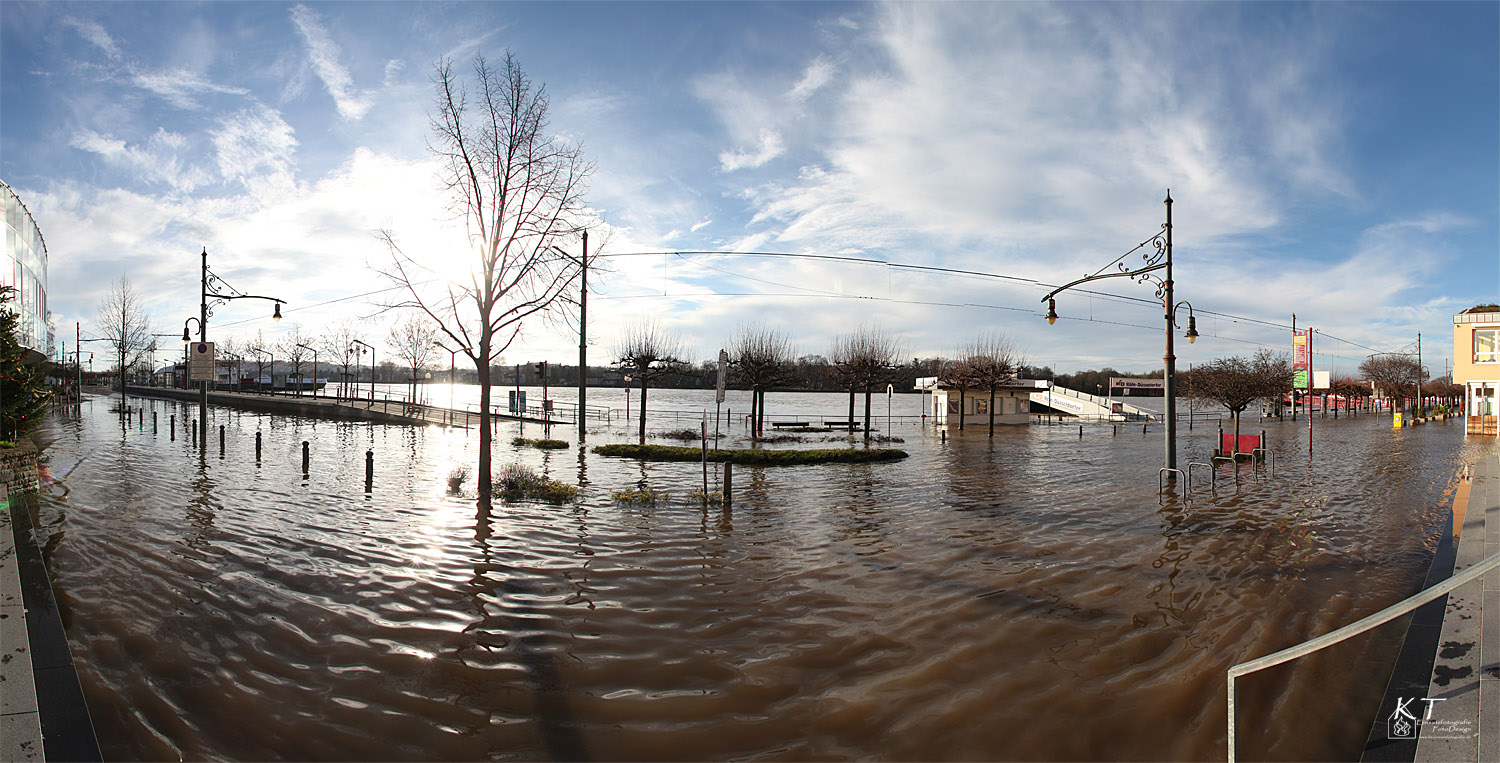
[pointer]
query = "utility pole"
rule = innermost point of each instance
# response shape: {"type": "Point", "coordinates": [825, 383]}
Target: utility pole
{"type": "Point", "coordinates": [1419, 373]}
{"type": "Point", "coordinates": [1294, 384]}
{"type": "Point", "coordinates": [583, 335]}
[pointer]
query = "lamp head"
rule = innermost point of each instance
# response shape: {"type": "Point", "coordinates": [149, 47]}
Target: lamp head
{"type": "Point", "coordinates": [276, 315]}
{"type": "Point", "coordinates": [185, 337]}
{"type": "Point", "coordinates": [1192, 332]}
{"type": "Point", "coordinates": [1051, 311]}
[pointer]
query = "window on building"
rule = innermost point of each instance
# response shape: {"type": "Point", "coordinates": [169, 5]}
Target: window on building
{"type": "Point", "coordinates": [1487, 345]}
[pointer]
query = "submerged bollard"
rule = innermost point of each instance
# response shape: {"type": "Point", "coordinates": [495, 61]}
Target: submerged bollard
{"type": "Point", "coordinates": [257, 446]}
{"type": "Point", "coordinates": [728, 482]}
{"type": "Point", "coordinates": [153, 422]}
{"type": "Point", "coordinates": [1143, 429]}
{"type": "Point", "coordinates": [1080, 431]}
{"type": "Point", "coordinates": [194, 425]}
{"type": "Point", "coordinates": [174, 427]}
{"type": "Point", "coordinates": [945, 435]}
{"type": "Point", "coordinates": [369, 468]}
{"type": "Point", "coordinates": [221, 439]}
{"type": "Point", "coordinates": [304, 456]}
{"type": "Point", "coordinates": [1116, 429]}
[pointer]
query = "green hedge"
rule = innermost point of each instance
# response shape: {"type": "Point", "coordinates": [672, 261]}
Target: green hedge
{"type": "Point", "coordinates": [753, 457]}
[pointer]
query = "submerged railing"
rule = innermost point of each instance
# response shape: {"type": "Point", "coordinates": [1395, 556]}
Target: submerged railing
{"type": "Point", "coordinates": [1353, 629]}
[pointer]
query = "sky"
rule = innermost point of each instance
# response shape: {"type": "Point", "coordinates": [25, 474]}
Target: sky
{"type": "Point", "coordinates": [1336, 162]}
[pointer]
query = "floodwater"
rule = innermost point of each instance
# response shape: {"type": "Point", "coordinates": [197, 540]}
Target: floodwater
{"type": "Point", "coordinates": [1026, 597]}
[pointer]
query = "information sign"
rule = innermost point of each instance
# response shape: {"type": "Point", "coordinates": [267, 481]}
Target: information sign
{"type": "Point", "coordinates": [201, 361]}
{"type": "Point", "coordinates": [1301, 360]}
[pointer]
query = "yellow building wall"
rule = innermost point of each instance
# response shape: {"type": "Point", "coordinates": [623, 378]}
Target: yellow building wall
{"type": "Point", "coordinates": [1464, 367]}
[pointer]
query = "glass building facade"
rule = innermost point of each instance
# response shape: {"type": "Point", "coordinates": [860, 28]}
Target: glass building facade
{"type": "Point", "coordinates": [25, 269]}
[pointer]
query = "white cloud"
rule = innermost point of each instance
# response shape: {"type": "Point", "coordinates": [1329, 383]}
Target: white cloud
{"type": "Point", "coordinates": [324, 55]}
{"type": "Point", "coordinates": [818, 74]}
{"type": "Point", "coordinates": [255, 147]}
{"type": "Point", "coordinates": [768, 147]}
{"type": "Point", "coordinates": [157, 160]}
{"type": "Point", "coordinates": [95, 33]}
{"type": "Point", "coordinates": [178, 86]}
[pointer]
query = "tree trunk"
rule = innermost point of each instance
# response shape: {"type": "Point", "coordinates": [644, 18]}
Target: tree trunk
{"type": "Point", "coordinates": [1235, 447]}
{"type": "Point", "coordinates": [482, 367]}
{"type": "Point", "coordinates": [867, 413]}
{"type": "Point", "coordinates": [992, 411]}
{"type": "Point", "coordinates": [643, 408]}
{"type": "Point", "coordinates": [851, 409]}
{"type": "Point", "coordinates": [754, 403]}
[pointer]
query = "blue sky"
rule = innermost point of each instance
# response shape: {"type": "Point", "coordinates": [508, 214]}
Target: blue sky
{"type": "Point", "coordinates": [1336, 161]}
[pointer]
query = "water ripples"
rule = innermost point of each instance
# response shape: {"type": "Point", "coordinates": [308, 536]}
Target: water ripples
{"type": "Point", "coordinates": [1025, 597]}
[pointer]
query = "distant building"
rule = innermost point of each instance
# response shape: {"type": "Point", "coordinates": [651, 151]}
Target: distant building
{"type": "Point", "coordinates": [25, 269]}
{"type": "Point", "coordinates": [1476, 365]}
{"type": "Point", "coordinates": [1012, 402]}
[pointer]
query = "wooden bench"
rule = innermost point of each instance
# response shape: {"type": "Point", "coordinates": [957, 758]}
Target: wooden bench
{"type": "Point", "coordinates": [780, 424]}
{"type": "Point", "coordinates": [841, 424]}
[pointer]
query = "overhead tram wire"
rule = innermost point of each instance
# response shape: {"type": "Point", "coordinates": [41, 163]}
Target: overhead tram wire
{"type": "Point", "coordinates": [684, 254]}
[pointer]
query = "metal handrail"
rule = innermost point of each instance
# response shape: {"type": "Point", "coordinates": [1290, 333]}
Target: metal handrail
{"type": "Point", "coordinates": [1210, 469]}
{"type": "Point", "coordinates": [1269, 457]}
{"type": "Point", "coordinates": [1160, 486]}
{"type": "Point", "coordinates": [1353, 629]}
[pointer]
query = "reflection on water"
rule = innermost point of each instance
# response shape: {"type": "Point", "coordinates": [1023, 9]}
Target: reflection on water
{"type": "Point", "coordinates": [1023, 597]}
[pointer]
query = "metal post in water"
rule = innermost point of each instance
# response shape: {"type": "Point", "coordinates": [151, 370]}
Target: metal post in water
{"type": "Point", "coordinates": [221, 439]}
{"type": "Point", "coordinates": [304, 456]}
{"type": "Point", "coordinates": [174, 427]}
{"type": "Point", "coordinates": [728, 482]}
{"type": "Point", "coordinates": [194, 424]}
{"type": "Point", "coordinates": [1080, 431]}
{"type": "Point", "coordinates": [369, 469]}
{"type": "Point", "coordinates": [257, 446]}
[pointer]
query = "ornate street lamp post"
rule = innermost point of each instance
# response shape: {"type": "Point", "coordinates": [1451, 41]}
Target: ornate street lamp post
{"type": "Point", "coordinates": [1157, 258]}
{"type": "Point", "coordinates": [372, 368]}
{"type": "Point", "coordinates": [222, 293]}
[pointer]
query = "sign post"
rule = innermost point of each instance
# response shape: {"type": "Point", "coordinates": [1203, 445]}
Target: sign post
{"type": "Point", "coordinates": [719, 401]}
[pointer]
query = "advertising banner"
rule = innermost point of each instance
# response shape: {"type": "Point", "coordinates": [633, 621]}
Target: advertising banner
{"type": "Point", "coordinates": [1301, 360]}
{"type": "Point", "coordinates": [1119, 382]}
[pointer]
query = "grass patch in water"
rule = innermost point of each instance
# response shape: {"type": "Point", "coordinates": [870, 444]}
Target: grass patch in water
{"type": "Point", "coordinates": [749, 457]}
{"type": "Point", "coordinates": [687, 435]}
{"type": "Point", "coordinates": [524, 442]}
{"type": "Point", "coordinates": [517, 483]}
{"type": "Point", "coordinates": [641, 495]}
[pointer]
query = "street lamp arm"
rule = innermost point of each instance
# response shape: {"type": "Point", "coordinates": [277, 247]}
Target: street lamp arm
{"type": "Point", "coordinates": [1137, 274]}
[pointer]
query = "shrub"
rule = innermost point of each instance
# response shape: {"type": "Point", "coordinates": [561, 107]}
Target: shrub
{"type": "Point", "coordinates": [689, 435]}
{"type": "Point", "coordinates": [524, 442]}
{"type": "Point", "coordinates": [457, 478]}
{"type": "Point", "coordinates": [517, 483]}
{"type": "Point", "coordinates": [640, 495]}
{"type": "Point", "coordinates": [753, 457]}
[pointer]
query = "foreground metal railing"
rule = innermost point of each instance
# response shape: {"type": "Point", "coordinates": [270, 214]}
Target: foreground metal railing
{"type": "Point", "coordinates": [1353, 629]}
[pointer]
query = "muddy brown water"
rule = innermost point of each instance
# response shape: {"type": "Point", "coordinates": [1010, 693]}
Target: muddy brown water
{"type": "Point", "coordinates": [1027, 597]}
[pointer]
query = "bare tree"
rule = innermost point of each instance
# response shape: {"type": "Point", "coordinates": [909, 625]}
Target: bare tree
{"type": "Point", "coordinates": [265, 354]}
{"type": "Point", "coordinates": [649, 352]}
{"type": "Point", "coordinates": [519, 188]}
{"type": "Point", "coordinates": [124, 324]}
{"type": "Point", "coordinates": [864, 358]}
{"type": "Point", "coordinates": [1396, 376]}
{"type": "Point", "coordinates": [337, 343]}
{"type": "Point", "coordinates": [293, 352]}
{"type": "Point", "coordinates": [1236, 382]}
{"type": "Point", "coordinates": [987, 363]}
{"type": "Point", "coordinates": [412, 342]}
{"type": "Point", "coordinates": [762, 358]}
